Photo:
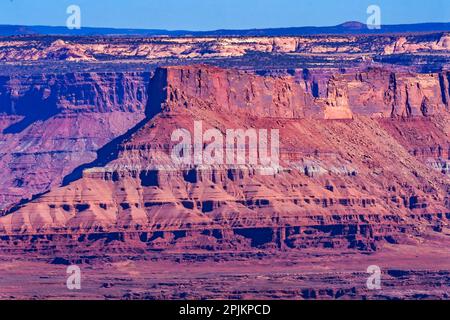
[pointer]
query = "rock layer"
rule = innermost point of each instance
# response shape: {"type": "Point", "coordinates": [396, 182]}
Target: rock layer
{"type": "Point", "coordinates": [52, 123]}
{"type": "Point", "coordinates": [347, 178]}
{"type": "Point", "coordinates": [32, 48]}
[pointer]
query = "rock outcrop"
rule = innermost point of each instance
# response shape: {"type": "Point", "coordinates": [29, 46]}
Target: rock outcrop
{"type": "Point", "coordinates": [34, 48]}
{"type": "Point", "coordinates": [375, 92]}
{"type": "Point", "coordinates": [231, 91]}
{"type": "Point", "coordinates": [388, 93]}
{"type": "Point", "coordinates": [52, 123]}
{"type": "Point", "coordinates": [346, 177]}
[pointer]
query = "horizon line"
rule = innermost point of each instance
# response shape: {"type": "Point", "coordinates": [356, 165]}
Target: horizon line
{"type": "Point", "coordinates": [223, 29]}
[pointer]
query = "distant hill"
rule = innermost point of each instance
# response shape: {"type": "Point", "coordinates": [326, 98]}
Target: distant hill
{"type": "Point", "coordinates": [345, 28]}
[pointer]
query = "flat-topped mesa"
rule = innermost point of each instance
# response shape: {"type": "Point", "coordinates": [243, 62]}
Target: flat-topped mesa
{"type": "Point", "coordinates": [51, 123]}
{"type": "Point", "coordinates": [386, 93]}
{"type": "Point", "coordinates": [376, 92]}
{"type": "Point", "coordinates": [339, 183]}
{"type": "Point", "coordinates": [229, 90]}
{"type": "Point", "coordinates": [59, 48]}
{"type": "Point", "coordinates": [75, 92]}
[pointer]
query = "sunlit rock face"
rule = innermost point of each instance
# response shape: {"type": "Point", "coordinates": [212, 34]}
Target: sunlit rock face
{"type": "Point", "coordinates": [360, 166]}
{"type": "Point", "coordinates": [101, 48]}
{"type": "Point", "coordinates": [345, 165]}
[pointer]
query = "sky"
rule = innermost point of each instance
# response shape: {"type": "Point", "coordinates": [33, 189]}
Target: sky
{"type": "Point", "coordinates": [219, 14]}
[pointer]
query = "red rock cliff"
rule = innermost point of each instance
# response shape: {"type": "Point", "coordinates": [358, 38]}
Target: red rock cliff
{"type": "Point", "coordinates": [236, 91]}
{"type": "Point", "coordinates": [375, 92]}
{"type": "Point", "coordinates": [52, 123]}
{"type": "Point", "coordinates": [348, 183]}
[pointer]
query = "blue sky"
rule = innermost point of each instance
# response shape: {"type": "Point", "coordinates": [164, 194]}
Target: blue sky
{"type": "Point", "coordinates": [218, 14]}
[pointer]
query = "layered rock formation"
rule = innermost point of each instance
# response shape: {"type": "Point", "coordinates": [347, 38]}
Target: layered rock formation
{"type": "Point", "coordinates": [404, 44]}
{"type": "Point", "coordinates": [375, 92]}
{"type": "Point", "coordinates": [389, 93]}
{"type": "Point", "coordinates": [52, 123]}
{"type": "Point", "coordinates": [34, 48]}
{"type": "Point", "coordinates": [346, 177]}
{"type": "Point", "coordinates": [230, 91]}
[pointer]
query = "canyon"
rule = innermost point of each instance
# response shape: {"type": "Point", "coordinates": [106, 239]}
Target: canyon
{"type": "Point", "coordinates": [362, 177]}
{"type": "Point", "coordinates": [35, 48]}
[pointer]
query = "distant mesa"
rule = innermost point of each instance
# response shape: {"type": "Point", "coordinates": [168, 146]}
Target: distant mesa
{"type": "Point", "coordinates": [353, 25]}
{"type": "Point", "coordinates": [350, 27]}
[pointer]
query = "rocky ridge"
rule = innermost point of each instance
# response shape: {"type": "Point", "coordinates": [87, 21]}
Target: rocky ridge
{"type": "Point", "coordinates": [52, 123]}
{"type": "Point", "coordinates": [35, 48]}
{"type": "Point", "coordinates": [352, 170]}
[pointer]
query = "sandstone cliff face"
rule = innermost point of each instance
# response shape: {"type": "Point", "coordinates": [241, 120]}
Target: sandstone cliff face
{"type": "Point", "coordinates": [43, 50]}
{"type": "Point", "coordinates": [234, 91]}
{"type": "Point", "coordinates": [92, 49]}
{"type": "Point", "coordinates": [376, 92]}
{"type": "Point", "coordinates": [389, 93]}
{"type": "Point", "coordinates": [73, 92]}
{"type": "Point", "coordinates": [341, 183]}
{"type": "Point", "coordinates": [52, 123]}
{"type": "Point", "coordinates": [405, 44]}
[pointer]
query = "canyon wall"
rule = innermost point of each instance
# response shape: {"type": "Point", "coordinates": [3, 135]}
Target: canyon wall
{"type": "Point", "coordinates": [236, 91]}
{"type": "Point", "coordinates": [388, 93]}
{"type": "Point", "coordinates": [52, 123]}
{"type": "Point", "coordinates": [56, 122]}
{"type": "Point", "coordinates": [73, 92]}
{"type": "Point", "coordinates": [352, 175]}
{"type": "Point", "coordinates": [375, 92]}
{"type": "Point", "coordinates": [35, 48]}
